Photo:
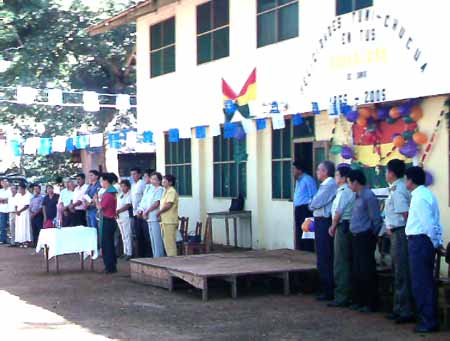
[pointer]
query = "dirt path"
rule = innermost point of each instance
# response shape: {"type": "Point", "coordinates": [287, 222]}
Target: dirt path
{"type": "Point", "coordinates": [94, 306]}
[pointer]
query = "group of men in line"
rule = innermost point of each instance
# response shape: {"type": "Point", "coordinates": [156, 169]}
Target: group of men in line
{"type": "Point", "coordinates": [146, 211]}
{"type": "Point", "coordinates": [25, 210]}
{"type": "Point", "coordinates": [347, 223]}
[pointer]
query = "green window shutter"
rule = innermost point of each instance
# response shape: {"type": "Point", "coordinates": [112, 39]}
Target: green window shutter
{"type": "Point", "coordinates": [288, 22]}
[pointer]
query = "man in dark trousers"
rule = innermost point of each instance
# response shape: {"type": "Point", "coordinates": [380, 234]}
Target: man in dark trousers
{"type": "Point", "coordinates": [36, 215]}
{"type": "Point", "coordinates": [365, 224]}
{"type": "Point", "coordinates": [321, 206]}
{"type": "Point", "coordinates": [424, 232]}
{"type": "Point", "coordinates": [396, 214]}
{"type": "Point", "coordinates": [305, 189]}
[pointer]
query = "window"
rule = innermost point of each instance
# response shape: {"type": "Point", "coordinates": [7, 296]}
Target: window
{"type": "Point", "coordinates": [178, 163]}
{"type": "Point", "coordinates": [347, 6]}
{"type": "Point", "coordinates": [230, 167]}
{"type": "Point", "coordinates": [277, 21]}
{"type": "Point", "coordinates": [213, 30]}
{"type": "Point", "coordinates": [162, 48]}
{"type": "Point", "coordinates": [282, 162]}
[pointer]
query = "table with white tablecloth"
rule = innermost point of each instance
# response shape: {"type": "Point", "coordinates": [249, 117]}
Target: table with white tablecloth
{"type": "Point", "coordinates": [68, 240]}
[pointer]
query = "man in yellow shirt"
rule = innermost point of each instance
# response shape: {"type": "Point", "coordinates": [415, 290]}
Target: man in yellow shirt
{"type": "Point", "coordinates": [168, 215]}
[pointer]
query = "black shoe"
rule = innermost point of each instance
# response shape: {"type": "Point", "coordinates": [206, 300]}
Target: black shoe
{"type": "Point", "coordinates": [392, 316]}
{"type": "Point", "coordinates": [405, 319]}
{"type": "Point", "coordinates": [424, 330]}
{"type": "Point", "coordinates": [324, 297]}
{"type": "Point", "coordinates": [110, 271]}
{"type": "Point", "coordinates": [366, 310]}
{"type": "Point", "coordinates": [13, 245]}
{"type": "Point", "coordinates": [355, 307]}
{"type": "Point", "coordinates": [335, 304]}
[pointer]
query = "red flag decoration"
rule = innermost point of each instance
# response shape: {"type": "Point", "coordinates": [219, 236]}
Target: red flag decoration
{"type": "Point", "coordinates": [247, 94]}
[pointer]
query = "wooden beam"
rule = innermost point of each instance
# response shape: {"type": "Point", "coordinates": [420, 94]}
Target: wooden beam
{"type": "Point", "coordinates": [129, 15]}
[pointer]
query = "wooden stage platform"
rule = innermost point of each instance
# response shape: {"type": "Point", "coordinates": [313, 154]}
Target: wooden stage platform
{"type": "Point", "coordinates": [196, 270]}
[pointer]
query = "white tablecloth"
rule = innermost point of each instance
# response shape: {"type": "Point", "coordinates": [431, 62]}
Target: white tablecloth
{"type": "Point", "coordinates": [68, 240]}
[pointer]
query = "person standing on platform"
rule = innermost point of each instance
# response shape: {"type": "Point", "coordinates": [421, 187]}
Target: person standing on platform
{"type": "Point", "coordinates": [36, 215]}
{"type": "Point", "coordinates": [23, 222]}
{"type": "Point", "coordinates": [12, 216]}
{"type": "Point", "coordinates": [65, 216]}
{"type": "Point", "coordinates": [321, 207]}
{"type": "Point", "coordinates": [365, 225]}
{"type": "Point", "coordinates": [151, 215]}
{"type": "Point", "coordinates": [78, 208]}
{"type": "Point", "coordinates": [50, 207]}
{"type": "Point", "coordinates": [108, 205]}
{"type": "Point", "coordinates": [138, 188]}
{"type": "Point", "coordinates": [124, 215]}
{"type": "Point", "coordinates": [5, 195]}
{"type": "Point", "coordinates": [143, 244]}
{"type": "Point", "coordinates": [396, 215]}
{"type": "Point", "coordinates": [305, 189]}
{"type": "Point", "coordinates": [341, 212]}
{"type": "Point", "coordinates": [168, 214]}
{"type": "Point", "coordinates": [424, 233]}
{"type": "Point", "coordinates": [92, 189]}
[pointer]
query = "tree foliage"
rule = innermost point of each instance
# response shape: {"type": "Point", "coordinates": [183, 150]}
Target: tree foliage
{"type": "Point", "coordinates": [48, 46]}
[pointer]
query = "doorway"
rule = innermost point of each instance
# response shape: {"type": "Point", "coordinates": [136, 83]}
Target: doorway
{"type": "Point", "coordinates": [310, 153]}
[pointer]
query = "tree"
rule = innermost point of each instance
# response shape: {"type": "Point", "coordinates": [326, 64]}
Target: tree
{"type": "Point", "coordinates": [48, 46]}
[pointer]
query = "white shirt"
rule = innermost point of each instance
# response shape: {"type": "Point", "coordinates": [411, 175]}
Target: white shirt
{"type": "Point", "coordinates": [137, 192]}
{"type": "Point", "coordinates": [12, 204]}
{"type": "Point", "coordinates": [424, 216]}
{"type": "Point", "coordinates": [5, 194]}
{"type": "Point", "coordinates": [153, 195]}
{"type": "Point", "coordinates": [146, 199]}
{"type": "Point", "coordinates": [65, 197]}
{"type": "Point", "coordinates": [22, 200]}
{"type": "Point", "coordinates": [78, 194]}
{"type": "Point", "coordinates": [122, 200]}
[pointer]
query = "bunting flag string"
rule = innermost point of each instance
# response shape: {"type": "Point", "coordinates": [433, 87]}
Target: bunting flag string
{"type": "Point", "coordinates": [90, 101]}
{"type": "Point", "coordinates": [59, 144]}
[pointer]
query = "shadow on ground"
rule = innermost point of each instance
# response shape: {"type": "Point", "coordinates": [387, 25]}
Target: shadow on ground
{"type": "Point", "coordinates": [93, 306]}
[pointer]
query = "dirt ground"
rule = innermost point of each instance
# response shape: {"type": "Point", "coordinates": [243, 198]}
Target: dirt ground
{"type": "Point", "coordinates": [75, 305]}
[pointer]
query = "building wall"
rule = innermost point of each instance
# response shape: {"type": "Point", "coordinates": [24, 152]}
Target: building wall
{"type": "Point", "coordinates": [192, 96]}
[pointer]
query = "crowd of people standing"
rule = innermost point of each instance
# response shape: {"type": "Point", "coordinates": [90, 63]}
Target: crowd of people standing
{"type": "Point", "coordinates": [138, 216]}
{"type": "Point", "coordinates": [347, 222]}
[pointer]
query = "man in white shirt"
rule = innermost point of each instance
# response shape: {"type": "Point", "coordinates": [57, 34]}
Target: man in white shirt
{"type": "Point", "coordinates": [424, 232]}
{"type": "Point", "coordinates": [139, 225]}
{"type": "Point", "coordinates": [64, 201]}
{"type": "Point", "coordinates": [12, 216]}
{"type": "Point", "coordinates": [143, 243]}
{"type": "Point", "coordinates": [5, 195]}
{"type": "Point", "coordinates": [78, 207]}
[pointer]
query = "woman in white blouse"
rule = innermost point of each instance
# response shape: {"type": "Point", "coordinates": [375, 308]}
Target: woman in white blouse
{"type": "Point", "coordinates": [150, 214]}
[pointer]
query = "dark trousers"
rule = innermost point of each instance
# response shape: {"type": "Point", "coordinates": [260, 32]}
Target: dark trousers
{"type": "Point", "coordinates": [79, 218]}
{"type": "Point", "coordinates": [36, 226]}
{"type": "Point", "coordinates": [402, 277]}
{"type": "Point", "coordinates": [421, 258]}
{"type": "Point", "coordinates": [325, 255]}
{"type": "Point", "coordinates": [301, 213]}
{"type": "Point", "coordinates": [343, 262]}
{"type": "Point", "coordinates": [141, 233]}
{"type": "Point", "coordinates": [364, 271]}
{"type": "Point", "coordinates": [108, 249]}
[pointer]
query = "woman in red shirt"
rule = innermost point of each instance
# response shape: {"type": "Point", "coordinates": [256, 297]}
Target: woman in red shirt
{"type": "Point", "coordinates": [108, 205]}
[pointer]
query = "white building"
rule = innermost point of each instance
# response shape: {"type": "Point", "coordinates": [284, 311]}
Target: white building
{"type": "Point", "coordinates": [358, 51]}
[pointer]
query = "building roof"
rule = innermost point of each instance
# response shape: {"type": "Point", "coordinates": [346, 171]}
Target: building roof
{"type": "Point", "coordinates": [128, 15]}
